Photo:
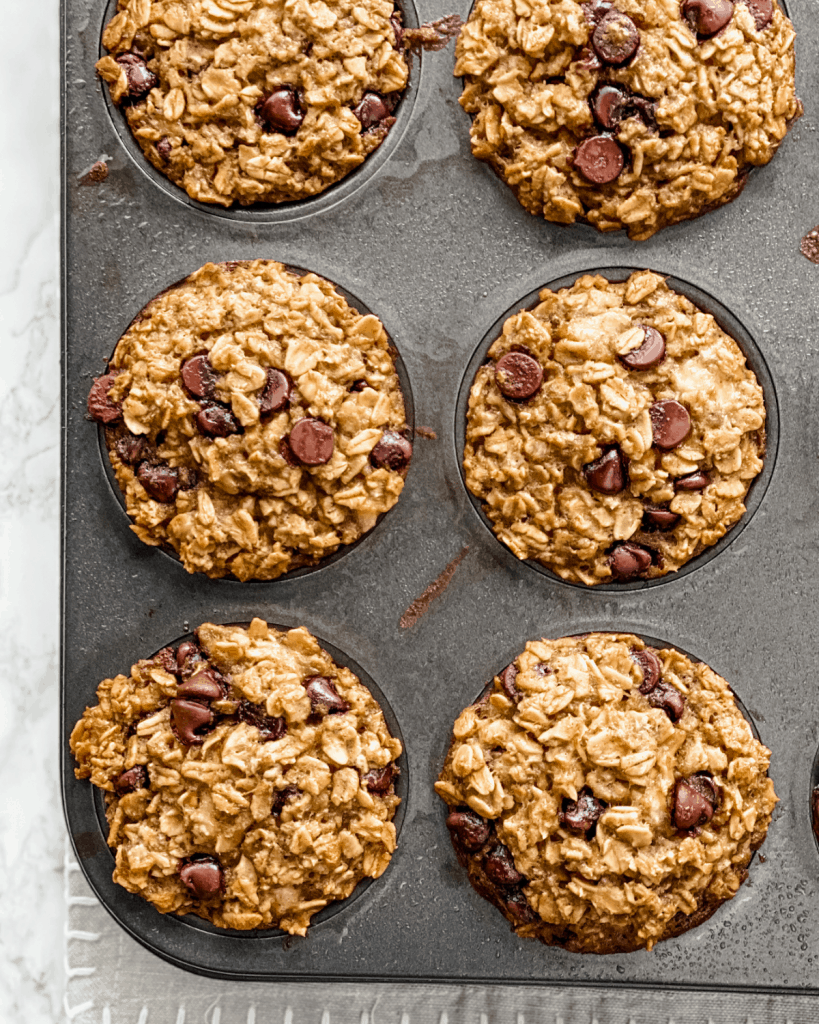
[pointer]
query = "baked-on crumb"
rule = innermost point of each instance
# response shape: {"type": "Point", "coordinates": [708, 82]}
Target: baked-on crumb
{"type": "Point", "coordinates": [249, 778]}
{"type": "Point", "coordinates": [605, 795]}
{"type": "Point", "coordinates": [420, 606]}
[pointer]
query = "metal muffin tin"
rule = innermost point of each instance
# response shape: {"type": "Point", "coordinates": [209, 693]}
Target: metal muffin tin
{"type": "Point", "coordinates": [431, 241]}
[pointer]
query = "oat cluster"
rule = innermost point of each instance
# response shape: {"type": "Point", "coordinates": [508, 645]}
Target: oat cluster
{"type": "Point", "coordinates": [525, 459]}
{"type": "Point", "coordinates": [707, 110]}
{"type": "Point", "coordinates": [210, 65]}
{"type": "Point", "coordinates": [572, 721]}
{"type": "Point", "coordinates": [244, 505]}
{"type": "Point", "coordinates": [292, 823]}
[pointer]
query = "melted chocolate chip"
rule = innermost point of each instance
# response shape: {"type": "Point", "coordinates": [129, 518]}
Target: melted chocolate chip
{"type": "Point", "coordinates": [650, 352]}
{"type": "Point", "coordinates": [269, 726]}
{"type": "Point", "coordinates": [693, 482]}
{"type": "Point", "coordinates": [519, 376]}
{"type": "Point", "coordinates": [595, 10]}
{"type": "Point", "coordinates": [398, 29]}
{"type": "Point", "coordinates": [217, 421]}
{"type": "Point", "coordinates": [469, 830]}
{"type": "Point", "coordinates": [670, 423]}
{"type": "Point", "coordinates": [507, 678]}
{"type": "Point", "coordinates": [358, 385]}
{"type": "Point", "coordinates": [629, 560]}
{"type": "Point", "coordinates": [276, 394]}
{"type": "Point", "coordinates": [324, 697]}
{"type": "Point", "coordinates": [580, 816]}
{"type": "Point", "coordinates": [392, 452]}
{"type": "Point", "coordinates": [695, 800]}
{"type": "Point", "coordinates": [280, 111]}
{"type": "Point", "coordinates": [161, 482]}
{"type": "Point", "coordinates": [198, 376]}
{"type": "Point", "coordinates": [164, 147]}
{"type": "Point", "coordinates": [203, 685]}
{"type": "Point", "coordinates": [600, 159]}
{"type": "Point", "coordinates": [706, 17]}
{"type": "Point", "coordinates": [286, 453]}
{"type": "Point", "coordinates": [659, 519]}
{"type": "Point", "coordinates": [188, 658]}
{"type": "Point", "coordinates": [166, 658]}
{"type": "Point", "coordinates": [190, 721]}
{"type": "Point", "coordinates": [611, 105]}
{"type": "Point", "coordinates": [608, 474]}
{"type": "Point", "coordinates": [312, 442]}
{"type": "Point", "coordinates": [202, 875]}
{"type": "Point", "coordinates": [615, 39]}
{"type": "Point", "coordinates": [762, 11]}
{"type": "Point", "coordinates": [100, 406]}
{"type": "Point", "coordinates": [281, 797]}
{"type": "Point", "coordinates": [500, 866]}
{"type": "Point", "coordinates": [131, 449]}
{"type": "Point", "coordinates": [519, 909]}
{"type": "Point", "coordinates": [140, 79]}
{"type": "Point", "coordinates": [669, 699]}
{"type": "Point", "coordinates": [650, 665]}
{"type": "Point", "coordinates": [379, 780]}
{"type": "Point", "coordinates": [371, 110]}
{"type": "Point", "coordinates": [131, 780]}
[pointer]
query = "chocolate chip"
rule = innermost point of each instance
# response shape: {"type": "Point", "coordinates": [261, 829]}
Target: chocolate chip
{"type": "Point", "coordinates": [392, 452]}
{"type": "Point", "coordinates": [280, 111]}
{"type": "Point", "coordinates": [202, 874]}
{"type": "Point", "coordinates": [312, 441]}
{"type": "Point", "coordinates": [706, 17]}
{"type": "Point", "coordinates": [615, 40]}
{"type": "Point", "coordinates": [608, 474]}
{"type": "Point", "coordinates": [500, 866]}
{"type": "Point", "coordinates": [140, 79]}
{"type": "Point", "coordinates": [580, 816]}
{"type": "Point", "coordinates": [650, 665]}
{"type": "Point", "coordinates": [693, 482]}
{"type": "Point", "coordinates": [358, 385]}
{"type": "Point", "coordinates": [281, 797]}
{"type": "Point", "coordinates": [669, 699]}
{"type": "Point", "coordinates": [659, 519]}
{"type": "Point", "coordinates": [286, 453]}
{"type": "Point", "coordinates": [270, 727]}
{"type": "Point", "coordinates": [324, 696]}
{"type": "Point", "coordinates": [469, 830]}
{"type": "Point", "coordinates": [762, 11]}
{"type": "Point", "coordinates": [600, 159]}
{"type": "Point", "coordinates": [610, 105]}
{"type": "Point", "coordinates": [164, 147]}
{"type": "Point", "coordinates": [161, 482]}
{"type": "Point", "coordinates": [379, 780]}
{"type": "Point", "coordinates": [166, 658]}
{"type": "Point", "coordinates": [188, 657]}
{"type": "Point", "coordinates": [628, 560]}
{"type": "Point", "coordinates": [595, 10]}
{"type": "Point", "coordinates": [131, 780]}
{"type": "Point", "coordinates": [371, 110]}
{"type": "Point", "coordinates": [276, 394]}
{"type": "Point", "coordinates": [100, 405]}
{"type": "Point", "coordinates": [507, 678]}
{"type": "Point", "coordinates": [203, 685]}
{"type": "Point", "coordinates": [217, 421]}
{"type": "Point", "coordinates": [650, 352]}
{"type": "Point", "coordinates": [519, 375]}
{"type": "Point", "coordinates": [695, 800]}
{"type": "Point", "coordinates": [131, 449]}
{"type": "Point", "coordinates": [190, 721]}
{"type": "Point", "coordinates": [670, 423]}
{"type": "Point", "coordinates": [518, 908]}
{"type": "Point", "coordinates": [198, 376]}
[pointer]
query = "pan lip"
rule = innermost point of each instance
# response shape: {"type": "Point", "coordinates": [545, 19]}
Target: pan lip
{"type": "Point", "coordinates": [728, 321]}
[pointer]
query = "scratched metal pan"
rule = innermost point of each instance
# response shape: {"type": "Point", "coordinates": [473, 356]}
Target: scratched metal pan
{"type": "Point", "coordinates": [435, 244]}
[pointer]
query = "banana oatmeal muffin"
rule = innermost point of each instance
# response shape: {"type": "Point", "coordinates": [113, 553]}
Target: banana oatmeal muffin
{"type": "Point", "coordinates": [604, 795]}
{"type": "Point", "coordinates": [614, 431]}
{"type": "Point", "coordinates": [254, 420]}
{"type": "Point", "coordinates": [249, 779]}
{"type": "Point", "coordinates": [626, 113]}
{"type": "Point", "coordinates": [253, 101]}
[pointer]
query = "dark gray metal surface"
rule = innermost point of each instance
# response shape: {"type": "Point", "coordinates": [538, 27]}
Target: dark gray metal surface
{"type": "Point", "coordinates": [434, 244]}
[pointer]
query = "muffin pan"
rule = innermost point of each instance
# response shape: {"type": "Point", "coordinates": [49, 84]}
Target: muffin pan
{"type": "Point", "coordinates": [441, 250]}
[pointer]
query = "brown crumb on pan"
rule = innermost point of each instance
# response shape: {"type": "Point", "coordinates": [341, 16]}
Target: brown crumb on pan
{"type": "Point", "coordinates": [96, 174]}
{"type": "Point", "coordinates": [426, 432]}
{"type": "Point", "coordinates": [420, 606]}
{"type": "Point", "coordinates": [809, 246]}
{"type": "Point", "coordinates": [435, 35]}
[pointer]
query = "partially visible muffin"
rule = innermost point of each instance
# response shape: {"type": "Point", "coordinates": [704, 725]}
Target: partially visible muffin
{"type": "Point", "coordinates": [249, 779]}
{"type": "Point", "coordinates": [614, 432]}
{"type": "Point", "coordinates": [247, 101]}
{"type": "Point", "coordinates": [254, 420]}
{"type": "Point", "coordinates": [605, 795]}
{"type": "Point", "coordinates": [623, 113]}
